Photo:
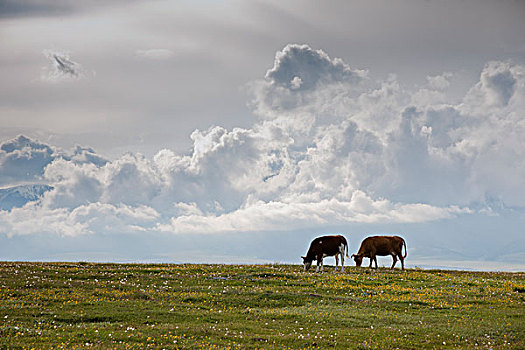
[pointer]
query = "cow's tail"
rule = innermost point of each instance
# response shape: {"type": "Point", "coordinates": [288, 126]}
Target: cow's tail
{"type": "Point", "coordinates": [405, 245]}
{"type": "Point", "coordinates": [346, 248]}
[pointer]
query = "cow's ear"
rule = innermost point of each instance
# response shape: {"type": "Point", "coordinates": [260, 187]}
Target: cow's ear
{"type": "Point", "coordinates": [353, 255]}
{"type": "Point", "coordinates": [304, 257]}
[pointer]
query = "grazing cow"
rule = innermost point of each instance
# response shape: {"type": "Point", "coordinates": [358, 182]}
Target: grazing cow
{"type": "Point", "coordinates": [326, 246]}
{"type": "Point", "coordinates": [382, 246]}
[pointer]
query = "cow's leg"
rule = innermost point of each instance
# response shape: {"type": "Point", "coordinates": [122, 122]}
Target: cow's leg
{"type": "Point", "coordinates": [394, 260]}
{"type": "Point", "coordinates": [375, 260]}
{"type": "Point", "coordinates": [336, 261]}
{"type": "Point", "coordinates": [371, 261]}
{"type": "Point", "coordinates": [342, 253]}
{"type": "Point", "coordinates": [402, 261]}
{"type": "Point", "coordinates": [320, 264]}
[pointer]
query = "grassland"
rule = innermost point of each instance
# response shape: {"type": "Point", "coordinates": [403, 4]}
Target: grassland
{"type": "Point", "coordinates": [137, 306]}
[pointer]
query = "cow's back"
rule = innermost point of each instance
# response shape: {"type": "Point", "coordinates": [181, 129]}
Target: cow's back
{"type": "Point", "coordinates": [381, 245]}
{"type": "Point", "coordinates": [328, 245]}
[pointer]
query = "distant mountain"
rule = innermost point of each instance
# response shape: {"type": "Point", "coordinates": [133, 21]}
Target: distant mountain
{"type": "Point", "coordinates": [18, 196]}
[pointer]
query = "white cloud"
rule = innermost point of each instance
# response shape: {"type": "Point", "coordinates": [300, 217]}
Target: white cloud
{"type": "Point", "coordinates": [332, 148]}
{"type": "Point", "coordinates": [296, 83]}
{"type": "Point", "coordinates": [275, 216]}
{"type": "Point", "coordinates": [498, 82]}
{"type": "Point", "coordinates": [434, 91]}
{"type": "Point", "coordinates": [82, 219]}
{"type": "Point", "coordinates": [302, 78]}
{"type": "Point", "coordinates": [24, 160]}
{"type": "Point", "coordinates": [311, 67]}
{"type": "Point", "coordinates": [439, 82]}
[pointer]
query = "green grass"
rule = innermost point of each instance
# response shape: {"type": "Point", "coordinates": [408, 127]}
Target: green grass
{"type": "Point", "coordinates": [121, 306]}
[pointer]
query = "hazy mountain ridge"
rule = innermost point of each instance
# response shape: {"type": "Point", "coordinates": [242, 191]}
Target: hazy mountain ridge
{"type": "Point", "coordinates": [18, 196]}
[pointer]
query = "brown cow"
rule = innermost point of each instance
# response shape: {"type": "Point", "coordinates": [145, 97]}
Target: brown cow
{"type": "Point", "coordinates": [382, 246]}
{"type": "Point", "coordinates": [326, 246]}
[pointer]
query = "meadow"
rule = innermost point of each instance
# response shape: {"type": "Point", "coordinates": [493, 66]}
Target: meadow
{"type": "Point", "coordinates": [168, 306]}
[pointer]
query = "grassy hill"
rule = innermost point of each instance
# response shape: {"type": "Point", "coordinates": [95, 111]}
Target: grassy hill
{"type": "Point", "coordinates": [138, 306]}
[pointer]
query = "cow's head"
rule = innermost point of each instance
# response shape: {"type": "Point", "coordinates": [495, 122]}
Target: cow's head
{"type": "Point", "coordinates": [307, 262]}
{"type": "Point", "coordinates": [358, 259]}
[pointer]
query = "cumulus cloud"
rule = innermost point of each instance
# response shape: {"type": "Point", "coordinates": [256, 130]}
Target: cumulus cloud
{"type": "Point", "coordinates": [498, 82]}
{"type": "Point", "coordinates": [332, 148]}
{"type": "Point", "coordinates": [61, 67]}
{"type": "Point", "coordinates": [299, 67]}
{"type": "Point", "coordinates": [23, 160]}
{"type": "Point", "coordinates": [83, 219]}
{"type": "Point", "coordinates": [439, 82]}
{"type": "Point", "coordinates": [300, 77]}
{"type": "Point", "coordinates": [274, 216]}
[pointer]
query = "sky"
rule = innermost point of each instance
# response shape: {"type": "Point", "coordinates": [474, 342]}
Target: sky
{"type": "Point", "coordinates": [238, 131]}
